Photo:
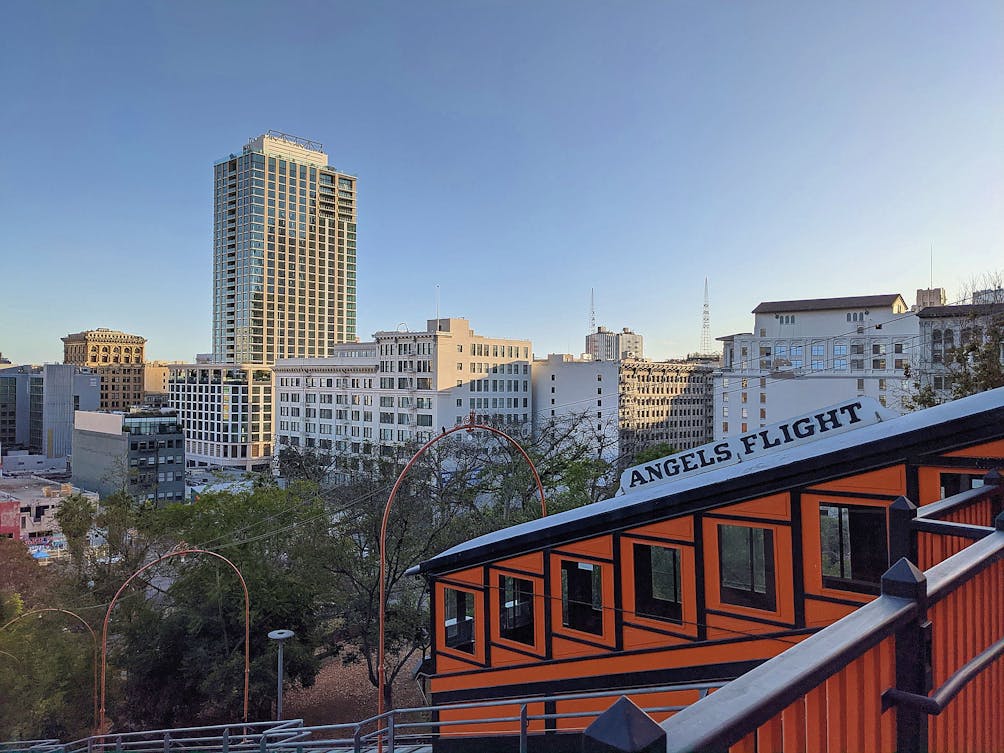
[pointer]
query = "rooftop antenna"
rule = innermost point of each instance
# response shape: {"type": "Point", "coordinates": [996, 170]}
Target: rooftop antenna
{"type": "Point", "coordinates": [932, 265]}
{"type": "Point", "coordinates": [438, 325]}
{"type": "Point", "coordinates": [592, 310]}
{"type": "Point", "coordinates": [706, 322]}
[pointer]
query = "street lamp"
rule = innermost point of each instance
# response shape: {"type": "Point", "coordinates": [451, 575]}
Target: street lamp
{"type": "Point", "coordinates": [280, 636]}
{"type": "Point", "coordinates": [102, 727]}
{"type": "Point", "coordinates": [469, 428]}
{"type": "Point", "coordinates": [94, 641]}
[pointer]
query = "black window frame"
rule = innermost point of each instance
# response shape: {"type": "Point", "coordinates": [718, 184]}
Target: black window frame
{"type": "Point", "coordinates": [580, 610]}
{"type": "Point", "coordinates": [855, 559]}
{"type": "Point", "coordinates": [516, 610]}
{"type": "Point", "coordinates": [461, 635]}
{"type": "Point", "coordinates": [647, 604]}
{"type": "Point", "coordinates": [750, 596]}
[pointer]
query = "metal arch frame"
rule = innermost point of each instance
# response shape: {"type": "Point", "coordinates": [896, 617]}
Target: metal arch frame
{"type": "Point", "coordinates": [111, 605]}
{"type": "Point", "coordinates": [94, 643]}
{"type": "Point", "coordinates": [468, 427]}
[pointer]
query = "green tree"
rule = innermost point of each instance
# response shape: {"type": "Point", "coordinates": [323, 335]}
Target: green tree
{"type": "Point", "coordinates": [76, 519]}
{"type": "Point", "coordinates": [181, 644]}
{"type": "Point", "coordinates": [654, 452]}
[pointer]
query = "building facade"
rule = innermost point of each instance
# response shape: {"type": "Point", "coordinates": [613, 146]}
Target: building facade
{"type": "Point", "coordinates": [604, 345]}
{"type": "Point", "coordinates": [226, 413]}
{"type": "Point", "coordinates": [582, 391]}
{"type": "Point", "coordinates": [37, 404]}
{"type": "Point", "coordinates": [632, 403]}
{"type": "Point", "coordinates": [665, 402]}
{"type": "Point", "coordinates": [945, 329]}
{"type": "Point", "coordinates": [284, 252]}
{"type": "Point", "coordinates": [370, 399]}
{"type": "Point", "coordinates": [141, 453]}
{"type": "Point", "coordinates": [117, 357]}
{"type": "Point", "coordinates": [31, 504]}
{"type": "Point", "coordinates": [805, 354]}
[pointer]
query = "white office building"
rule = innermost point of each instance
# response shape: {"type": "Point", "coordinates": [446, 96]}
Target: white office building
{"type": "Point", "coordinates": [807, 354]}
{"type": "Point", "coordinates": [581, 392]}
{"type": "Point", "coordinates": [371, 399]}
{"type": "Point", "coordinates": [226, 411]}
{"type": "Point", "coordinates": [604, 345]}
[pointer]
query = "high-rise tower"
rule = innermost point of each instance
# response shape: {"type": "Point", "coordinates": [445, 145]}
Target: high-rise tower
{"type": "Point", "coordinates": [284, 252]}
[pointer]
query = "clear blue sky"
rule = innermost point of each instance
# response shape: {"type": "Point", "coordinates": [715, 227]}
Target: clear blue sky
{"type": "Point", "coordinates": [517, 154]}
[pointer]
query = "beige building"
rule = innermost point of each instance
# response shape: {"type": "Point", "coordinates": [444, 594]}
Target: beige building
{"type": "Point", "coordinates": [117, 357]}
{"type": "Point", "coordinates": [284, 252]}
{"type": "Point", "coordinates": [665, 401]}
{"type": "Point", "coordinates": [374, 398]}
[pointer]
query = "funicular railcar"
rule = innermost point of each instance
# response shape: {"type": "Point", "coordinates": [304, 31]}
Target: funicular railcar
{"type": "Point", "coordinates": [696, 573]}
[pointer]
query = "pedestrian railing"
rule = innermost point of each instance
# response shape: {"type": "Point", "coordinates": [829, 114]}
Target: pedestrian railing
{"type": "Point", "coordinates": [407, 730]}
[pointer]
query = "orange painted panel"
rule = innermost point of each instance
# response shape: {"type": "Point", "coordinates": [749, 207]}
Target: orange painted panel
{"type": "Point", "coordinates": [634, 638]}
{"type": "Point", "coordinates": [473, 577]}
{"type": "Point", "coordinates": [502, 657]}
{"type": "Point", "coordinates": [988, 450]}
{"type": "Point", "coordinates": [775, 507]}
{"type": "Point", "coordinates": [601, 547]}
{"type": "Point", "coordinates": [783, 587]}
{"type": "Point", "coordinates": [678, 528]}
{"type": "Point", "coordinates": [727, 628]}
{"type": "Point", "coordinates": [688, 587]}
{"type": "Point", "coordinates": [823, 613]}
{"type": "Point", "coordinates": [565, 649]}
{"type": "Point", "coordinates": [609, 662]}
{"type": "Point", "coordinates": [447, 664]}
{"type": "Point", "coordinates": [890, 480]}
{"type": "Point", "coordinates": [533, 563]}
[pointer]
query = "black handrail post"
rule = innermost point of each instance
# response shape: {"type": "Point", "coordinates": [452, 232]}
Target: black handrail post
{"type": "Point", "coordinates": [390, 731]}
{"type": "Point", "coordinates": [902, 537]}
{"type": "Point", "coordinates": [524, 724]}
{"type": "Point", "coordinates": [913, 653]}
{"type": "Point", "coordinates": [993, 478]}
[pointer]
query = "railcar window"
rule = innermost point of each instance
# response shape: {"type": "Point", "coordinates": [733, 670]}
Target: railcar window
{"type": "Point", "coordinates": [657, 582]}
{"type": "Point", "coordinates": [582, 596]}
{"type": "Point", "coordinates": [516, 609]}
{"type": "Point", "coordinates": [746, 566]}
{"type": "Point", "coordinates": [458, 615]}
{"type": "Point", "coordinates": [853, 543]}
{"type": "Point", "coordinates": [954, 483]}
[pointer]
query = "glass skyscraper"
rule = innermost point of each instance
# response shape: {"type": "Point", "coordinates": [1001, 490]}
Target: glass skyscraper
{"type": "Point", "coordinates": [284, 252]}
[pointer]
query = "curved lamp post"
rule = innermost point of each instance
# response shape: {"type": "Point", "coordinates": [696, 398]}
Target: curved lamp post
{"type": "Point", "coordinates": [468, 427]}
{"type": "Point", "coordinates": [94, 642]}
{"type": "Point", "coordinates": [111, 605]}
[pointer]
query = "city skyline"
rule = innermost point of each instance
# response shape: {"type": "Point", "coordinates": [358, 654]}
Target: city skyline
{"type": "Point", "coordinates": [515, 157]}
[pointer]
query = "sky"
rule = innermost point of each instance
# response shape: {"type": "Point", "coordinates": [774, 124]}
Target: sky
{"type": "Point", "coordinates": [518, 155]}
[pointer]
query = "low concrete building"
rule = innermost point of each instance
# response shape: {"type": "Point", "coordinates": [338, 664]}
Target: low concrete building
{"type": "Point", "coordinates": [141, 453]}
{"type": "Point", "coordinates": [30, 504]}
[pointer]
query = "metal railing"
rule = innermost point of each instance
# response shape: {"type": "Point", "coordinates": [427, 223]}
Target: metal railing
{"type": "Point", "coordinates": [520, 718]}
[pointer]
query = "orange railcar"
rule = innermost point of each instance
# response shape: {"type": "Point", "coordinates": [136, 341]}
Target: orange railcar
{"type": "Point", "coordinates": [698, 579]}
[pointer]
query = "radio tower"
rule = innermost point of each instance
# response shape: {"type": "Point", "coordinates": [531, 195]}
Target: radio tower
{"type": "Point", "coordinates": [592, 311]}
{"type": "Point", "coordinates": [706, 323]}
